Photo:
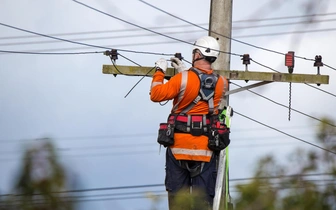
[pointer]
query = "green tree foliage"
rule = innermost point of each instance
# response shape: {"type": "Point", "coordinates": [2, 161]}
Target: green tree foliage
{"type": "Point", "coordinates": [306, 181]}
{"type": "Point", "coordinates": [40, 180]}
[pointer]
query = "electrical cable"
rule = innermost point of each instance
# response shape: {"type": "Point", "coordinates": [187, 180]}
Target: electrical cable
{"type": "Point", "coordinates": [47, 53]}
{"type": "Point", "coordinates": [285, 17]}
{"type": "Point", "coordinates": [128, 135]}
{"type": "Point", "coordinates": [129, 60]}
{"type": "Point", "coordinates": [248, 44]}
{"type": "Point", "coordinates": [139, 82]}
{"type": "Point", "coordinates": [94, 189]}
{"type": "Point", "coordinates": [115, 66]}
{"type": "Point", "coordinates": [320, 90]}
{"type": "Point", "coordinates": [108, 147]}
{"type": "Point", "coordinates": [251, 45]}
{"type": "Point", "coordinates": [93, 38]}
{"type": "Point", "coordinates": [143, 35]}
{"type": "Point", "coordinates": [284, 24]}
{"type": "Point", "coordinates": [144, 28]}
{"type": "Point", "coordinates": [51, 37]}
{"type": "Point", "coordinates": [285, 33]}
{"type": "Point", "coordinates": [176, 26]}
{"type": "Point", "coordinates": [162, 185]}
{"type": "Point", "coordinates": [165, 42]}
{"type": "Point", "coordinates": [314, 145]}
{"type": "Point", "coordinates": [285, 106]}
{"type": "Point", "coordinates": [73, 42]}
{"type": "Point", "coordinates": [329, 66]}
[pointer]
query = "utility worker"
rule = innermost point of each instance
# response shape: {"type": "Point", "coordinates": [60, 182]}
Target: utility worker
{"type": "Point", "coordinates": [190, 163]}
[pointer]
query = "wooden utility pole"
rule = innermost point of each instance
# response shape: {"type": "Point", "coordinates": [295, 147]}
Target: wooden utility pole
{"type": "Point", "coordinates": [220, 27]}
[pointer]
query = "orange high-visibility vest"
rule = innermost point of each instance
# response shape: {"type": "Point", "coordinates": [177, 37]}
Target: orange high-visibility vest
{"type": "Point", "coordinates": [183, 88]}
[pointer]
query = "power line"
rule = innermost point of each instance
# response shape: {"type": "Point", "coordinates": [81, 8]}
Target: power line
{"type": "Point", "coordinates": [285, 33]}
{"type": "Point", "coordinates": [108, 147]}
{"type": "Point", "coordinates": [48, 53]}
{"type": "Point", "coordinates": [286, 17]}
{"type": "Point", "coordinates": [99, 32]}
{"type": "Point", "coordinates": [95, 38]}
{"type": "Point", "coordinates": [329, 66]}
{"type": "Point", "coordinates": [162, 27]}
{"type": "Point", "coordinates": [181, 26]}
{"type": "Point", "coordinates": [162, 185]}
{"type": "Point", "coordinates": [74, 42]}
{"type": "Point", "coordinates": [251, 45]}
{"type": "Point", "coordinates": [177, 32]}
{"type": "Point", "coordinates": [51, 37]}
{"type": "Point", "coordinates": [96, 189]}
{"type": "Point", "coordinates": [327, 150]}
{"type": "Point", "coordinates": [144, 28]}
{"type": "Point", "coordinates": [284, 24]}
{"type": "Point", "coordinates": [141, 28]}
{"type": "Point", "coordinates": [285, 106]}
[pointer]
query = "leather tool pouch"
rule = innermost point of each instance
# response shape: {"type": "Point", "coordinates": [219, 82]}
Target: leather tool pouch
{"type": "Point", "coordinates": [166, 133]}
{"type": "Point", "coordinates": [219, 137]}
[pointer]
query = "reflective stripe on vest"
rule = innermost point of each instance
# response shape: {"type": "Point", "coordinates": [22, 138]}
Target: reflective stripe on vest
{"type": "Point", "coordinates": [181, 151]}
{"type": "Point", "coordinates": [183, 86]}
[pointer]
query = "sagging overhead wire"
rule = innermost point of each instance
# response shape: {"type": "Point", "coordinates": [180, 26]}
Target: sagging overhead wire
{"type": "Point", "coordinates": [286, 17]}
{"type": "Point", "coordinates": [51, 37]}
{"type": "Point", "coordinates": [144, 35]}
{"type": "Point", "coordinates": [251, 45]}
{"type": "Point", "coordinates": [294, 137]}
{"type": "Point", "coordinates": [144, 28]}
{"type": "Point", "coordinates": [69, 41]}
{"type": "Point", "coordinates": [182, 26]}
{"type": "Point", "coordinates": [48, 53]}
{"type": "Point", "coordinates": [284, 105]}
{"type": "Point", "coordinates": [162, 185]}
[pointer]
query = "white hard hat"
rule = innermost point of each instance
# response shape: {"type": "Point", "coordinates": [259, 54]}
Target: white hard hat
{"type": "Point", "coordinates": [208, 46]}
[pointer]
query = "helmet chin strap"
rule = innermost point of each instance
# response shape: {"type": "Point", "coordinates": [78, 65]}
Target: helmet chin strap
{"type": "Point", "coordinates": [197, 59]}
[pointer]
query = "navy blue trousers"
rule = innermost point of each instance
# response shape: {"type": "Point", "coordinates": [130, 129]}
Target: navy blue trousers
{"type": "Point", "coordinates": [180, 180]}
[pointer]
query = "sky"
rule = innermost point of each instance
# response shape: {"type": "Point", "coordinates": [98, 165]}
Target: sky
{"type": "Point", "coordinates": [107, 140]}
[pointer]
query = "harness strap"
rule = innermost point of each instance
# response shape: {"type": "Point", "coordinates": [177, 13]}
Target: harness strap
{"type": "Point", "coordinates": [201, 94]}
{"type": "Point", "coordinates": [193, 171]}
{"type": "Point", "coordinates": [191, 105]}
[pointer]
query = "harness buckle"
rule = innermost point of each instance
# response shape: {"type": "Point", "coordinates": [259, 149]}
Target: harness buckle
{"type": "Point", "coordinates": [196, 125]}
{"type": "Point", "coordinates": [196, 128]}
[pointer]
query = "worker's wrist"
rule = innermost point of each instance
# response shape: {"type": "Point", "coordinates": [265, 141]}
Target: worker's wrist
{"type": "Point", "coordinates": [159, 69]}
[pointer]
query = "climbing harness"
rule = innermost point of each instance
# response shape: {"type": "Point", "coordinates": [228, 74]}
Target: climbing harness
{"type": "Point", "coordinates": [197, 125]}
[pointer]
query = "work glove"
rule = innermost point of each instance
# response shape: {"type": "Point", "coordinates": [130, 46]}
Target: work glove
{"type": "Point", "coordinates": [178, 64]}
{"type": "Point", "coordinates": [161, 64]}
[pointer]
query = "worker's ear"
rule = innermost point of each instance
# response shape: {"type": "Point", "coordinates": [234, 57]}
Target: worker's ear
{"type": "Point", "coordinates": [197, 55]}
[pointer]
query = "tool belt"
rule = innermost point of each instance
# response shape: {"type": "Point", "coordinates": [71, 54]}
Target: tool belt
{"type": "Point", "coordinates": [196, 125]}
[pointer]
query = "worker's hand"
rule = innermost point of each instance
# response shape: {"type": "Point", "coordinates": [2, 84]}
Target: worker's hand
{"type": "Point", "coordinates": [178, 64]}
{"type": "Point", "coordinates": [161, 64]}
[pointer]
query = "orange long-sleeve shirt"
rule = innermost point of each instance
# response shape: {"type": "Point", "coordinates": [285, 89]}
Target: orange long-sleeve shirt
{"type": "Point", "coordinates": [183, 88]}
